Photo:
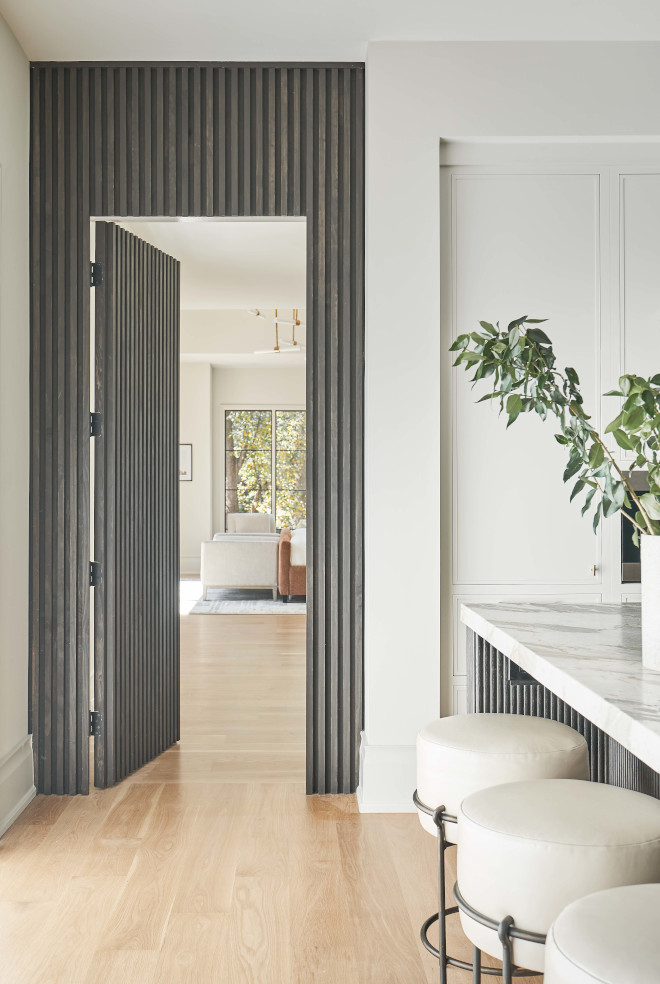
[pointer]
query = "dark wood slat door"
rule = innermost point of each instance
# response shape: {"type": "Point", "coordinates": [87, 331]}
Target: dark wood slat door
{"type": "Point", "coordinates": [136, 504]}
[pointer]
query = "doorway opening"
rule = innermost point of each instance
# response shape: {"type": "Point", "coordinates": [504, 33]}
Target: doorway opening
{"type": "Point", "coordinates": [242, 496]}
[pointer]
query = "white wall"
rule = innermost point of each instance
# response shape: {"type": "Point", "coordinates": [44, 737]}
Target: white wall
{"type": "Point", "coordinates": [247, 388]}
{"type": "Point", "coordinates": [16, 778]}
{"type": "Point", "coordinates": [195, 497]}
{"type": "Point", "coordinates": [417, 94]}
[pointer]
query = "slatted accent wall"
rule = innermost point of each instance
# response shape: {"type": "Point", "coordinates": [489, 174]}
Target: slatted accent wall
{"type": "Point", "coordinates": [136, 531]}
{"type": "Point", "coordinates": [196, 140]}
{"type": "Point", "coordinates": [496, 685]}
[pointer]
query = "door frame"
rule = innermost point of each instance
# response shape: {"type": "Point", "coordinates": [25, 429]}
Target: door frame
{"type": "Point", "coordinates": [208, 141]}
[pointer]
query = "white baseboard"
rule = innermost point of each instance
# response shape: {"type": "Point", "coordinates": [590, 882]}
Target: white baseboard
{"type": "Point", "coordinates": [190, 566]}
{"type": "Point", "coordinates": [16, 783]}
{"type": "Point", "coordinates": [387, 778]}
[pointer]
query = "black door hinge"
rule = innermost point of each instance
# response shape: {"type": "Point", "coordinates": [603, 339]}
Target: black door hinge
{"type": "Point", "coordinates": [95, 573]}
{"type": "Point", "coordinates": [95, 722]}
{"type": "Point", "coordinates": [95, 274]}
{"type": "Point", "coordinates": [95, 424]}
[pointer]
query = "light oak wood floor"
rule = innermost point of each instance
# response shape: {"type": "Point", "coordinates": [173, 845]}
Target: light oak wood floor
{"type": "Point", "coordinates": [210, 865]}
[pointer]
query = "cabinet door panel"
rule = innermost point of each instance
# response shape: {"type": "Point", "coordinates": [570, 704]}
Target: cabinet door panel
{"type": "Point", "coordinates": [640, 280]}
{"type": "Point", "coordinates": [522, 244]}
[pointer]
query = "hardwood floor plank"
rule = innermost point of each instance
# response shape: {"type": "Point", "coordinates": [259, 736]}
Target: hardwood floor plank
{"type": "Point", "coordinates": [211, 865]}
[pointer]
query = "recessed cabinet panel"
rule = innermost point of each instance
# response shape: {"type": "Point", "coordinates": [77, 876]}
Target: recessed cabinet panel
{"type": "Point", "coordinates": [522, 244]}
{"type": "Point", "coordinates": [639, 201]}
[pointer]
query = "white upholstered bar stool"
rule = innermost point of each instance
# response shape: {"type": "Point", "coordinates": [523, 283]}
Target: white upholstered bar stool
{"type": "Point", "coordinates": [529, 849]}
{"type": "Point", "coordinates": [609, 937]}
{"type": "Point", "coordinates": [458, 755]}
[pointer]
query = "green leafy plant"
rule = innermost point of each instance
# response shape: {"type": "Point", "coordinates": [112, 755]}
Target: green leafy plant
{"type": "Point", "coordinates": [519, 363]}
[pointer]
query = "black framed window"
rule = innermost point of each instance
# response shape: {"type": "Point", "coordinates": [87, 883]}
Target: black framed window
{"type": "Point", "coordinates": [265, 464]}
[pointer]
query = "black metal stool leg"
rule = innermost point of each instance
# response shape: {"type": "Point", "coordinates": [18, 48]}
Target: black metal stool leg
{"type": "Point", "coordinates": [442, 915]}
{"type": "Point", "coordinates": [507, 949]}
{"type": "Point", "coordinates": [476, 965]}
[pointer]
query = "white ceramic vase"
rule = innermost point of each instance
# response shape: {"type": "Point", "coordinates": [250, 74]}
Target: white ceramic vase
{"type": "Point", "coordinates": [650, 550]}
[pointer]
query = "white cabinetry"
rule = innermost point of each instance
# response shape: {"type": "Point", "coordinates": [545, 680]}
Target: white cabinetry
{"type": "Point", "coordinates": [577, 243]}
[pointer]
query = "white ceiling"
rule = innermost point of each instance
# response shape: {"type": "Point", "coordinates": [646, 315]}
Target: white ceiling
{"type": "Point", "coordinates": [305, 30]}
{"type": "Point", "coordinates": [233, 263]}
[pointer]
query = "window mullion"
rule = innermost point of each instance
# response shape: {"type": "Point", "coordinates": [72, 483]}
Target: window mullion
{"type": "Point", "coordinates": [273, 448]}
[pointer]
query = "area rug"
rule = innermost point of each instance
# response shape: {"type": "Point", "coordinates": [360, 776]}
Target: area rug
{"type": "Point", "coordinates": [226, 601]}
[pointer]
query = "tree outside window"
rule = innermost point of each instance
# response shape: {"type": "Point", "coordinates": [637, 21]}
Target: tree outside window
{"type": "Point", "coordinates": [265, 464]}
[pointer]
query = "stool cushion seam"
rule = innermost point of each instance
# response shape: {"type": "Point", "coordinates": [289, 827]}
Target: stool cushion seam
{"type": "Point", "coordinates": [483, 751]}
{"type": "Point", "coordinates": [538, 840]}
{"type": "Point", "coordinates": [575, 964]}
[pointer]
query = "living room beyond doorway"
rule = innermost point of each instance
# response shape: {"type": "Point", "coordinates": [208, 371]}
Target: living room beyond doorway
{"type": "Point", "coordinates": [242, 494]}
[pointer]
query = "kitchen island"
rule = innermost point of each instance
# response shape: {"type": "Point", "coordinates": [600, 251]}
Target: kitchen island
{"type": "Point", "coordinates": [580, 664]}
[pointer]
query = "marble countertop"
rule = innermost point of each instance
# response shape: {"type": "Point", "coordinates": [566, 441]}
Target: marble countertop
{"type": "Point", "coordinates": [588, 655]}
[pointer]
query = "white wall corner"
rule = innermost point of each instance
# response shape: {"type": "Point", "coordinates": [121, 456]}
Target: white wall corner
{"type": "Point", "coordinates": [387, 778]}
{"type": "Point", "coordinates": [16, 783]}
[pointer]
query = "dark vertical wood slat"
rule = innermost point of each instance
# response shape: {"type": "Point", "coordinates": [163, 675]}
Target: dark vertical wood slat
{"type": "Point", "coordinates": [246, 149]}
{"type": "Point", "coordinates": [175, 139]}
{"type": "Point", "coordinates": [328, 101]}
{"type": "Point", "coordinates": [36, 146]}
{"type": "Point", "coordinates": [146, 131]}
{"type": "Point", "coordinates": [232, 146]}
{"type": "Point", "coordinates": [219, 169]}
{"type": "Point", "coordinates": [295, 143]}
{"type": "Point", "coordinates": [356, 286]}
{"type": "Point", "coordinates": [257, 127]}
{"type": "Point", "coordinates": [195, 141]}
{"type": "Point", "coordinates": [96, 130]}
{"type": "Point", "coordinates": [207, 140]}
{"type": "Point", "coordinates": [62, 538]}
{"type": "Point", "coordinates": [345, 356]}
{"type": "Point", "coordinates": [157, 206]}
{"type": "Point", "coordinates": [169, 113]}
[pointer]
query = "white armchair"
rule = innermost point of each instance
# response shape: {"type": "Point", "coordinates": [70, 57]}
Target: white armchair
{"type": "Point", "coordinates": [250, 523]}
{"type": "Point", "coordinates": [240, 561]}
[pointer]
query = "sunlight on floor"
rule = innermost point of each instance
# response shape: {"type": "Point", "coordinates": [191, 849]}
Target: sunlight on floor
{"type": "Point", "coordinates": [190, 592]}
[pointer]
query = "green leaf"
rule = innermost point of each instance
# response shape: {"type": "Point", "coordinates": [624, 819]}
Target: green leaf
{"type": "Point", "coordinates": [610, 507]}
{"type": "Point", "coordinates": [577, 488]}
{"type": "Point", "coordinates": [488, 396]}
{"type": "Point", "coordinates": [514, 403]}
{"type": "Point", "coordinates": [619, 494]}
{"type": "Point", "coordinates": [613, 393]}
{"type": "Point", "coordinates": [486, 325]}
{"type": "Point", "coordinates": [535, 321]}
{"type": "Point", "coordinates": [573, 466]}
{"type": "Point", "coordinates": [538, 336]}
{"type": "Point", "coordinates": [615, 424]}
{"type": "Point", "coordinates": [597, 516]}
{"type": "Point", "coordinates": [623, 440]}
{"type": "Point", "coordinates": [470, 358]}
{"type": "Point", "coordinates": [518, 322]}
{"type": "Point", "coordinates": [634, 419]}
{"type": "Point", "coordinates": [590, 494]}
{"type": "Point", "coordinates": [596, 456]}
{"type": "Point", "coordinates": [460, 343]}
{"type": "Point", "coordinates": [651, 505]}
{"type": "Point", "coordinates": [512, 418]}
{"type": "Point", "coordinates": [572, 376]}
{"type": "Point", "coordinates": [560, 439]}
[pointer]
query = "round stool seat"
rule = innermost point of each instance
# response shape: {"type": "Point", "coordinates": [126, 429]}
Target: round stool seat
{"type": "Point", "coordinates": [458, 755]}
{"type": "Point", "coordinates": [609, 937]}
{"type": "Point", "coordinates": [528, 849]}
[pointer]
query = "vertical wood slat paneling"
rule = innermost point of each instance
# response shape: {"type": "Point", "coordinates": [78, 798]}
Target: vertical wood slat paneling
{"type": "Point", "coordinates": [490, 690]}
{"type": "Point", "coordinates": [208, 141]}
{"type": "Point", "coordinates": [136, 477]}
